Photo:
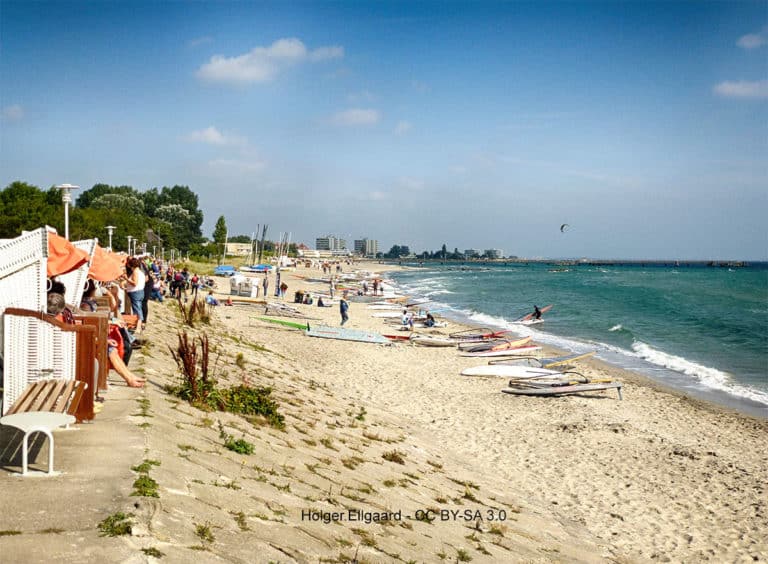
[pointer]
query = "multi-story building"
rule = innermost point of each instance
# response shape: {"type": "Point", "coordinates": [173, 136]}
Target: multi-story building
{"type": "Point", "coordinates": [494, 253]}
{"type": "Point", "coordinates": [471, 253]}
{"type": "Point", "coordinates": [366, 247]}
{"type": "Point", "coordinates": [330, 243]}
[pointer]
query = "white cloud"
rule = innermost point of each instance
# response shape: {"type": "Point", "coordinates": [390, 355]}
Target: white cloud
{"type": "Point", "coordinates": [199, 41]}
{"type": "Point", "coordinates": [356, 116]}
{"type": "Point", "coordinates": [13, 113]}
{"type": "Point", "coordinates": [402, 127]}
{"type": "Point", "coordinates": [753, 40]}
{"type": "Point", "coordinates": [238, 165]}
{"type": "Point", "coordinates": [213, 136]}
{"type": "Point", "coordinates": [326, 53]}
{"type": "Point", "coordinates": [263, 64]}
{"type": "Point", "coordinates": [362, 96]}
{"type": "Point", "coordinates": [742, 89]}
{"type": "Point", "coordinates": [377, 196]}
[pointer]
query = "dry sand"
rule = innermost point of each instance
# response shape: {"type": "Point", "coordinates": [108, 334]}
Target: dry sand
{"type": "Point", "coordinates": [579, 478]}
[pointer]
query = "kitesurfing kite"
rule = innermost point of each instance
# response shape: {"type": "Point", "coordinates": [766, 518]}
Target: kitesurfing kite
{"type": "Point", "coordinates": [563, 226]}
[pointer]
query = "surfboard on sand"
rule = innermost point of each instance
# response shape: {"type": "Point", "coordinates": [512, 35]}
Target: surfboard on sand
{"type": "Point", "coordinates": [344, 334]}
{"type": "Point", "coordinates": [509, 371]}
{"type": "Point", "coordinates": [560, 360]}
{"type": "Point", "coordinates": [283, 322]}
{"type": "Point", "coordinates": [505, 352]}
{"type": "Point", "coordinates": [560, 390]}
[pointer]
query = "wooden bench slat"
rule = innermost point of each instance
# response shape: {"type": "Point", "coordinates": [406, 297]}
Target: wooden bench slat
{"type": "Point", "coordinates": [52, 395]}
{"type": "Point", "coordinates": [58, 396]}
{"type": "Point", "coordinates": [78, 393]}
{"type": "Point", "coordinates": [27, 398]}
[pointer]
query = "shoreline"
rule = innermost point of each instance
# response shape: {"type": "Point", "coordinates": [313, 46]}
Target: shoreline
{"type": "Point", "coordinates": [659, 425]}
{"type": "Point", "coordinates": [670, 381]}
{"type": "Point", "coordinates": [396, 431]}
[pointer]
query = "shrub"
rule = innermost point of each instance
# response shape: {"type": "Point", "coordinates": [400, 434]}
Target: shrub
{"type": "Point", "coordinates": [240, 446]}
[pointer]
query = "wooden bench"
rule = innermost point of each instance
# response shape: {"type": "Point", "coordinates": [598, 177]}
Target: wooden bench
{"type": "Point", "coordinates": [100, 321]}
{"type": "Point", "coordinates": [35, 342]}
{"type": "Point", "coordinates": [44, 405]}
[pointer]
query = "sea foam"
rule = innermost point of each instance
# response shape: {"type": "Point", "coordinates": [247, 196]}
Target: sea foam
{"type": "Point", "coordinates": [710, 377]}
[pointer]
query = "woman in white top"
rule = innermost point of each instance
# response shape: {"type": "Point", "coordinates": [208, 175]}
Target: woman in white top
{"type": "Point", "coordinates": [134, 287]}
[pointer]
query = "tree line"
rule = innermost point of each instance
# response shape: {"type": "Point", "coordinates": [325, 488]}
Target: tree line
{"type": "Point", "coordinates": [168, 217]}
{"type": "Point", "coordinates": [165, 218]}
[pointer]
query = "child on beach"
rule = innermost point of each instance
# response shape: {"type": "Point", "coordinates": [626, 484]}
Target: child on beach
{"type": "Point", "coordinates": [343, 309]}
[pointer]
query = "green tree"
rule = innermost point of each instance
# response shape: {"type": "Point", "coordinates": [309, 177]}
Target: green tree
{"type": "Point", "coordinates": [220, 233]}
{"type": "Point", "coordinates": [26, 207]}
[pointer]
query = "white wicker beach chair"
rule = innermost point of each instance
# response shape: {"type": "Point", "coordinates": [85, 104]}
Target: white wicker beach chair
{"type": "Point", "coordinates": [34, 350]}
{"type": "Point", "coordinates": [23, 272]}
{"type": "Point", "coordinates": [75, 281]}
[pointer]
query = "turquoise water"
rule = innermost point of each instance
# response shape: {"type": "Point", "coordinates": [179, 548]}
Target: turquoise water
{"type": "Point", "coordinates": [700, 329]}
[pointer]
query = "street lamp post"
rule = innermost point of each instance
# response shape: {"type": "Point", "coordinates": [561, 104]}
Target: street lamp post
{"type": "Point", "coordinates": [66, 197]}
{"type": "Point", "coordinates": [110, 230]}
{"type": "Point", "coordinates": [129, 243]}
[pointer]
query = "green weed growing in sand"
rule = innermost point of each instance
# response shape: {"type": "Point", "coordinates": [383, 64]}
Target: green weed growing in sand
{"type": "Point", "coordinates": [240, 446]}
{"type": "Point", "coordinates": [116, 525]}
{"type": "Point", "coordinates": [204, 532]}
{"type": "Point", "coordinates": [352, 462]}
{"type": "Point", "coordinates": [153, 552]}
{"type": "Point", "coordinates": [9, 533]}
{"type": "Point", "coordinates": [246, 400]}
{"type": "Point", "coordinates": [241, 520]}
{"type": "Point", "coordinates": [144, 486]}
{"type": "Point", "coordinates": [462, 555]}
{"type": "Point", "coordinates": [145, 466]}
{"type": "Point", "coordinates": [469, 495]}
{"type": "Point", "coordinates": [143, 408]}
{"type": "Point", "coordinates": [394, 456]}
{"type": "Point", "coordinates": [240, 361]}
{"type": "Point", "coordinates": [199, 389]}
{"type": "Point", "coordinates": [195, 311]}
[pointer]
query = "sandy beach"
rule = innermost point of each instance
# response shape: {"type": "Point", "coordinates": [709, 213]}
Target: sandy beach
{"type": "Point", "coordinates": [389, 454]}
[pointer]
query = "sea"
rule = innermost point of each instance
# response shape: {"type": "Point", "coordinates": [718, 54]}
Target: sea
{"type": "Point", "coordinates": [702, 330]}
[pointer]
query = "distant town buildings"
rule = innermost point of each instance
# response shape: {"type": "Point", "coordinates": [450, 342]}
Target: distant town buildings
{"type": "Point", "coordinates": [471, 253]}
{"type": "Point", "coordinates": [494, 253]}
{"type": "Point", "coordinates": [330, 243]}
{"type": "Point", "coordinates": [366, 247]}
{"type": "Point", "coordinates": [238, 249]}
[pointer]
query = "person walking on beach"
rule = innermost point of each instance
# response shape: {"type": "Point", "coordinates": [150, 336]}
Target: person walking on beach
{"type": "Point", "coordinates": [265, 284]}
{"type": "Point", "coordinates": [343, 309]}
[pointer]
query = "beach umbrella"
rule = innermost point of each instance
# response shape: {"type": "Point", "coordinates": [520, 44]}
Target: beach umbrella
{"type": "Point", "coordinates": [105, 266]}
{"type": "Point", "coordinates": [63, 256]}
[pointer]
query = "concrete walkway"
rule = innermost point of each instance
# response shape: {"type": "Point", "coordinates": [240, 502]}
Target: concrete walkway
{"type": "Point", "coordinates": [55, 518]}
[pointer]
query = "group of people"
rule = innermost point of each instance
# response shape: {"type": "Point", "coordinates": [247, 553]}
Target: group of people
{"type": "Point", "coordinates": [120, 341]}
{"type": "Point", "coordinates": [144, 279]}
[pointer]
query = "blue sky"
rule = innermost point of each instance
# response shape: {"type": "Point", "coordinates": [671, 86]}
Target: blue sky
{"type": "Point", "coordinates": [643, 125]}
